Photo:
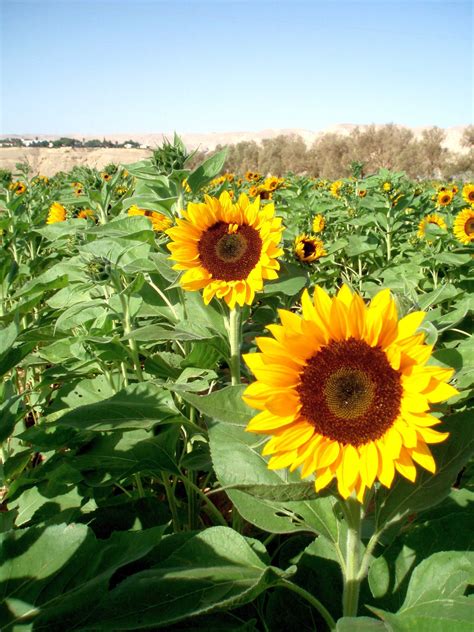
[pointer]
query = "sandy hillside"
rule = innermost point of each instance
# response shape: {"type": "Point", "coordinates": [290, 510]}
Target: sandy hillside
{"type": "Point", "coordinates": [49, 161]}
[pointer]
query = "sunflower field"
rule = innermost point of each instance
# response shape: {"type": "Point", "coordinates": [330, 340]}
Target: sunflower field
{"type": "Point", "coordinates": [235, 401]}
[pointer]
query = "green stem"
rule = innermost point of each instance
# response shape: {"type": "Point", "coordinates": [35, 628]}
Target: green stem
{"type": "Point", "coordinates": [326, 615]}
{"type": "Point", "coordinates": [132, 343]}
{"type": "Point", "coordinates": [234, 341]}
{"type": "Point", "coordinates": [171, 502]}
{"type": "Point", "coordinates": [138, 481]}
{"type": "Point", "coordinates": [212, 510]}
{"type": "Point", "coordinates": [350, 597]}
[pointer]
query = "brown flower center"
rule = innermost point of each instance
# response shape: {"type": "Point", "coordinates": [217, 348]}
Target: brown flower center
{"type": "Point", "coordinates": [230, 254]}
{"type": "Point", "coordinates": [469, 226]}
{"type": "Point", "coordinates": [309, 248]}
{"type": "Point", "coordinates": [470, 196]}
{"type": "Point", "coordinates": [349, 392]}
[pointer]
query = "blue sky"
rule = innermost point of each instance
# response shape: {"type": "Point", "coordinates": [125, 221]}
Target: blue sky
{"type": "Point", "coordinates": [98, 67]}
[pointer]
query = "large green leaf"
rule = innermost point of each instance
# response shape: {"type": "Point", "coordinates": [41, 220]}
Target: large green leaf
{"type": "Point", "coordinates": [137, 406]}
{"type": "Point", "coordinates": [215, 569]}
{"type": "Point", "coordinates": [53, 577]}
{"type": "Point", "coordinates": [207, 170]}
{"type": "Point", "coordinates": [435, 600]}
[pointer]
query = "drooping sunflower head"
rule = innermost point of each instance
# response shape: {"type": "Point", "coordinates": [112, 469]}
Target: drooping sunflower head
{"type": "Point", "coordinates": [344, 392]}
{"type": "Point", "coordinates": [308, 248]}
{"type": "Point", "coordinates": [159, 222]}
{"type": "Point", "coordinates": [444, 198]}
{"type": "Point", "coordinates": [463, 226]}
{"type": "Point", "coordinates": [433, 219]}
{"type": "Point", "coordinates": [227, 249]}
{"type": "Point", "coordinates": [57, 213]}
{"type": "Point", "coordinates": [318, 224]}
{"type": "Point", "coordinates": [468, 193]}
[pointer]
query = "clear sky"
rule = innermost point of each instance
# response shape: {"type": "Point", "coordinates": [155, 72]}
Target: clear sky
{"type": "Point", "coordinates": [105, 66]}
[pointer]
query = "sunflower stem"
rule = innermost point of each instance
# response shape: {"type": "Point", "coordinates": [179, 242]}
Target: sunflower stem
{"type": "Point", "coordinates": [350, 597]}
{"type": "Point", "coordinates": [234, 341]}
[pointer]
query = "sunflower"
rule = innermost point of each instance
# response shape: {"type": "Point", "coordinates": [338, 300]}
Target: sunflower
{"type": "Point", "coordinates": [344, 392]}
{"type": "Point", "coordinates": [105, 176]}
{"type": "Point", "coordinates": [308, 249]}
{"type": "Point", "coordinates": [86, 213]}
{"type": "Point", "coordinates": [256, 176]}
{"type": "Point", "coordinates": [271, 183]}
{"type": "Point", "coordinates": [18, 187]}
{"type": "Point", "coordinates": [335, 188]}
{"type": "Point", "coordinates": [362, 192]}
{"type": "Point", "coordinates": [434, 219]}
{"type": "Point", "coordinates": [463, 226]}
{"type": "Point", "coordinates": [387, 186]}
{"type": "Point", "coordinates": [249, 176]}
{"type": "Point", "coordinates": [159, 222]}
{"type": "Point", "coordinates": [455, 189]}
{"type": "Point", "coordinates": [227, 249]}
{"type": "Point", "coordinates": [318, 224]}
{"type": "Point", "coordinates": [468, 193]}
{"type": "Point", "coordinates": [444, 198]}
{"type": "Point", "coordinates": [253, 191]}
{"type": "Point", "coordinates": [229, 177]}
{"type": "Point", "coordinates": [57, 213]}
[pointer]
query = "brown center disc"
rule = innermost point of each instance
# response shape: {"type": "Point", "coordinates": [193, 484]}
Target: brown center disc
{"type": "Point", "coordinates": [230, 256]}
{"type": "Point", "coordinates": [349, 392]}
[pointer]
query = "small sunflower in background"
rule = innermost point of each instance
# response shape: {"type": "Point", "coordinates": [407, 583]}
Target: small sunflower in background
{"type": "Point", "coordinates": [226, 249]}
{"type": "Point", "coordinates": [387, 187]}
{"type": "Point", "coordinates": [434, 219]}
{"type": "Point", "coordinates": [345, 393]}
{"type": "Point", "coordinates": [18, 187]}
{"type": "Point", "coordinates": [106, 177]}
{"type": "Point", "coordinates": [86, 213]}
{"type": "Point", "coordinates": [253, 191]}
{"type": "Point", "coordinates": [468, 193]}
{"type": "Point", "coordinates": [249, 176]}
{"type": "Point", "coordinates": [318, 224]}
{"type": "Point", "coordinates": [362, 193]}
{"type": "Point", "coordinates": [335, 188]}
{"type": "Point", "coordinates": [463, 227]}
{"type": "Point", "coordinates": [271, 183]}
{"type": "Point", "coordinates": [454, 189]}
{"type": "Point", "coordinates": [308, 249]}
{"type": "Point", "coordinates": [159, 222]}
{"type": "Point", "coordinates": [444, 198]}
{"type": "Point", "coordinates": [57, 213]}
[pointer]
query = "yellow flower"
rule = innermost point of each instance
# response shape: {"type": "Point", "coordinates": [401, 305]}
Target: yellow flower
{"type": "Point", "coordinates": [463, 226]}
{"type": "Point", "coordinates": [455, 189]}
{"type": "Point", "coordinates": [186, 186]}
{"type": "Point", "coordinates": [445, 198]}
{"type": "Point", "coordinates": [335, 188]}
{"type": "Point", "coordinates": [256, 176]}
{"type": "Point", "coordinates": [105, 176]}
{"type": "Point", "coordinates": [308, 249]}
{"type": "Point", "coordinates": [227, 249]}
{"type": "Point", "coordinates": [57, 213]}
{"type": "Point", "coordinates": [435, 219]}
{"type": "Point", "coordinates": [249, 176]}
{"type": "Point", "coordinates": [271, 183]}
{"type": "Point", "coordinates": [17, 187]}
{"type": "Point", "coordinates": [86, 213]}
{"type": "Point", "coordinates": [318, 224]}
{"type": "Point", "coordinates": [253, 191]}
{"type": "Point", "coordinates": [159, 222]}
{"type": "Point", "coordinates": [344, 392]}
{"type": "Point", "coordinates": [468, 193]}
{"type": "Point", "coordinates": [362, 192]}
{"type": "Point", "coordinates": [40, 180]}
{"type": "Point", "coordinates": [387, 186]}
{"type": "Point", "coordinates": [125, 173]}
{"type": "Point", "coordinates": [229, 177]}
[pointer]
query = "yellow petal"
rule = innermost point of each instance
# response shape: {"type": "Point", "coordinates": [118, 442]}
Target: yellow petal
{"type": "Point", "coordinates": [386, 470]}
{"type": "Point", "coordinates": [408, 325]}
{"type": "Point", "coordinates": [422, 455]}
{"type": "Point", "coordinates": [323, 478]}
{"type": "Point", "coordinates": [350, 466]}
{"type": "Point", "coordinates": [405, 465]}
{"type": "Point", "coordinates": [369, 463]}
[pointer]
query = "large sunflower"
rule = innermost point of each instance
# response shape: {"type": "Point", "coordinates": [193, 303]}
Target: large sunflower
{"type": "Point", "coordinates": [434, 219]}
{"type": "Point", "coordinates": [344, 392]}
{"type": "Point", "coordinates": [227, 249]}
{"type": "Point", "coordinates": [463, 226]}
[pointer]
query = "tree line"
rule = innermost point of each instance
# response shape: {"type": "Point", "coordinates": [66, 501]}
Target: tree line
{"type": "Point", "coordinates": [333, 156]}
